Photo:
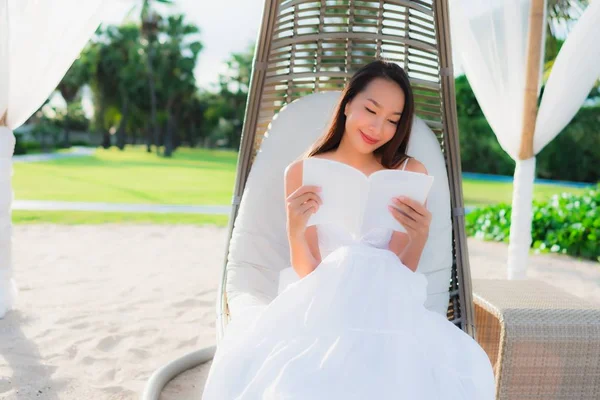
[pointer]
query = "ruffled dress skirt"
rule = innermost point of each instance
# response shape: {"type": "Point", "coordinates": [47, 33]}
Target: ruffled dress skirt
{"type": "Point", "coordinates": [355, 328]}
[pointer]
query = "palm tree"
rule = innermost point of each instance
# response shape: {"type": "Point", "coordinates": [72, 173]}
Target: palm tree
{"type": "Point", "coordinates": [150, 22]}
{"type": "Point", "coordinates": [70, 85]}
{"type": "Point", "coordinates": [129, 75]}
{"type": "Point", "coordinates": [118, 73]}
{"type": "Point", "coordinates": [175, 69]}
{"type": "Point", "coordinates": [234, 86]}
{"type": "Point", "coordinates": [562, 15]}
{"type": "Point", "coordinates": [564, 12]}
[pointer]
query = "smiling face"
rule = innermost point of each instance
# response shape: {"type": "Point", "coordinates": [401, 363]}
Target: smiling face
{"type": "Point", "coordinates": [372, 116]}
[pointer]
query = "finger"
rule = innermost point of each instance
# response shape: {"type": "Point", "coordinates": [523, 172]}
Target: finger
{"type": "Point", "coordinates": [316, 197]}
{"type": "Point", "coordinates": [417, 211]}
{"type": "Point", "coordinates": [406, 210]}
{"type": "Point", "coordinates": [395, 212]}
{"type": "Point", "coordinates": [305, 197]}
{"type": "Point", "coordinates": [297, 202]}
{"type": "Point", "coordinates": [407, 222]}
{"type": "Point", "coordinates": [310, 211]}
{"type": "Point", "coordinates": [307, 206]}
{"type": "Point", "coordinates": [304, 189]}
{"type": "Point", "coordinates": [413, 204]}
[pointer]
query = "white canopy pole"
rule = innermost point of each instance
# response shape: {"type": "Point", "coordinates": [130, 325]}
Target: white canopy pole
{"type": "Point", "coordinates": [521, 218]}
{"type": "Point", "coordinates": [39, 39]}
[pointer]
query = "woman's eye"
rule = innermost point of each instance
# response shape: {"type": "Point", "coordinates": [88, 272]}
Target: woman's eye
{"type": "Point", "coordinates": [394, 122]}
{"type": "Point", "coordinates": [369, 110]}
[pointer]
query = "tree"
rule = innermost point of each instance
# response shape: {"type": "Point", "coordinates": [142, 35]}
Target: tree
{"type": "Point", "coordinates": [175, 70]}
{"type": "Point", "coordinates": [233, 94]}
{"type": "Point", "coordinates": [119, 76]}
{"type": "Point", "coordinates": [562, 15]}
{"type": "Point", "coordinates": [124, 101]}
{"type": "Point", "coordinates": [150, 21]}
{"type": "Point", "coordinates": [70, 86]}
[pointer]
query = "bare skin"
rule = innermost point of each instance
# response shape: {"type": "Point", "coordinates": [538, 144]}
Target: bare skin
{"type": "Point", "coordinates": [373, 113]}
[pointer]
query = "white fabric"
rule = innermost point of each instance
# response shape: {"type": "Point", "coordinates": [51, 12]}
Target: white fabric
{"type": "Point", "coordinates": [573, 75]}
{"type": "Point", "coordinates": [8, 290]}
{"type": "Point", "coordinates": [490, 38]}
{"type": "Point", "coordinates": [42, 38]}
{"type": "Point", "coordinates": [38, 42]}
{"type": "Point", "coordinates": [259, 249]}
{"type": "Point", "coordinates": [354, 328]}
{"type": "Point", "coordinates": [520, 239]}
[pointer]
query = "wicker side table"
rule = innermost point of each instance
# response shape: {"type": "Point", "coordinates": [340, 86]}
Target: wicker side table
{"type": "Point", "coordinates": [543, 343]}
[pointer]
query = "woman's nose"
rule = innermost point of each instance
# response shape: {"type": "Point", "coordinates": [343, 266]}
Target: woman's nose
{"type": "Point", "coordinates": [376, 125]}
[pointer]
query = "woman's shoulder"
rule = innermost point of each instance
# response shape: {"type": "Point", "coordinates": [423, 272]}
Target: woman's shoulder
{"type": "Point", "coordinates": [294, 169]}
{"type": "Point", "coordinates": [414, 165]}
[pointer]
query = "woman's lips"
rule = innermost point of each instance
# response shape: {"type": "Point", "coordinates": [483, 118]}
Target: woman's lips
{"type": "Point", "coordinates": [367, 139]}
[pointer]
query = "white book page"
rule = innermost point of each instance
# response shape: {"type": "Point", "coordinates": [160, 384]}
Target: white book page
{"type": "Point", "coordinates": [387, 184]}
{"type": "Point", "coordinates": [343, 192]}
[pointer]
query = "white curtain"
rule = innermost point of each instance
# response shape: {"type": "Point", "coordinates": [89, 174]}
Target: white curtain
{"type": "Point", "coordinates": [39, 40]}
{"type": "Point", "coordinates": [490, 38]}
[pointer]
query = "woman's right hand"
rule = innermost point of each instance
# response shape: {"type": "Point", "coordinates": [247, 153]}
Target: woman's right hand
{"type": "Point", "coordinates": [301, 204]}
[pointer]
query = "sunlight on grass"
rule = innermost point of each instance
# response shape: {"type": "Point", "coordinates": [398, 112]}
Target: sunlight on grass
{"type": "Point", "coordinates": [191, 176]}
{"type": "Point", "coordinates": [96, 218]}
{"type": "Point", "coordinates": [478, 193]}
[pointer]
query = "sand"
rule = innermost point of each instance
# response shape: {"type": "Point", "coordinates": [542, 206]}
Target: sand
{"type": "Point", "coordinates": [101, 307]}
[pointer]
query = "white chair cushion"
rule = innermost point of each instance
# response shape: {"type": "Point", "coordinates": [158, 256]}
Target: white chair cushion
{"type": "Point", "coordinates": [259, 249]}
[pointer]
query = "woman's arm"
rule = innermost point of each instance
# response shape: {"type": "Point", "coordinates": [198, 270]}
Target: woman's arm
{"type": "Point", "coordinates": [408, 251]}
{"type": "Point", "coordinates": [304, 248]}
{"type": "Point", "coordinates": [416, 219]}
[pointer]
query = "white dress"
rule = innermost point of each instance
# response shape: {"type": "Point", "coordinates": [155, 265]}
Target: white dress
{"type": "Point", "coordinates": [354, 328]}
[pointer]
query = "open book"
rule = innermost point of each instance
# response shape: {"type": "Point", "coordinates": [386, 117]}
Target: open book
{"type": "Point", "coordinates": [359, 203]}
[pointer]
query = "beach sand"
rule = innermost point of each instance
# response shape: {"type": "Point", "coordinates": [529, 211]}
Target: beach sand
{"type": "Point", "coordinates": [101, 307]}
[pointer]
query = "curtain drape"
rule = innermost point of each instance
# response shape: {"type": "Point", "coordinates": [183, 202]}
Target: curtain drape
{"type": "Point", "coordinates": [490, 38]}
{"type": "Point", "coordinates": [39, 40]}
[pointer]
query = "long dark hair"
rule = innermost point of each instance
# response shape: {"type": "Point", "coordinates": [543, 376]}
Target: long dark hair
{"type": "Point", "coordinates": [393, 152]}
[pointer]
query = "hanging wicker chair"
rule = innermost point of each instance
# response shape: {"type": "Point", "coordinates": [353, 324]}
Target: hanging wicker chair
{"type": "Point", "coordinates": [307, 47]}
{"type": "Point", "coordinates": [305, 53]}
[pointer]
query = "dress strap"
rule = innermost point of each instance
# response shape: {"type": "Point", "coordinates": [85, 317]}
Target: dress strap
{"type": "Point", "coordinates": [405, 162]}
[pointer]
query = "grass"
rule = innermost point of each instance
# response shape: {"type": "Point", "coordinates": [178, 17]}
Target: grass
{"type": "Point", "coordinates": [479, 193]}
{"type": "Point", "coordinates": [97, 218]}
{"type": "Point", "coordinates": [191, 176]}
{"type": "Point", "coordinates": [38, 151]}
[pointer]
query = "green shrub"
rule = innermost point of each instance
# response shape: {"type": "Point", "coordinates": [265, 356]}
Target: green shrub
{"type": "Point", "coordinates": [46, 132]}
{"type": "Point", "coordinates": [566, 224]}
{"type": "Point", "coordinates": [73, 118]}
{"type": "Point", "coordinates": [19, 147]}
{"type": "Point", "coordinates": [24, 147]}
{"type": "Point", "coordinates": [572, 156]}
{"type": "Point", "coordinates": [84, 143]}
{"type": "Point", "coordinates": [32, 147]}
{"type": "Point", "coordinates": [479, 149]}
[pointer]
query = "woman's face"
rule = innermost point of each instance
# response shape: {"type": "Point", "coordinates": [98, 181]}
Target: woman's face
{"type": "Point", "coordinates": [372, 116]}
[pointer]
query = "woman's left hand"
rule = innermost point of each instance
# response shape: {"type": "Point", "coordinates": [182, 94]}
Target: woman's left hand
{"type": "Point", "coordinates": [414, 216]}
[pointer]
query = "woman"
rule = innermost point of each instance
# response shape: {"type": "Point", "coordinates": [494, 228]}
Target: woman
{"type": "Point", "coordinates": [355, 325]}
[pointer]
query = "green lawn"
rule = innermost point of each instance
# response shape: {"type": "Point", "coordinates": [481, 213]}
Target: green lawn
{"type": "Point", "coordinates": [191, 176]}
{"type": "Point", "coordinates": [95, 218]}
{"type": "Point", "coordinates": [478, 193]}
